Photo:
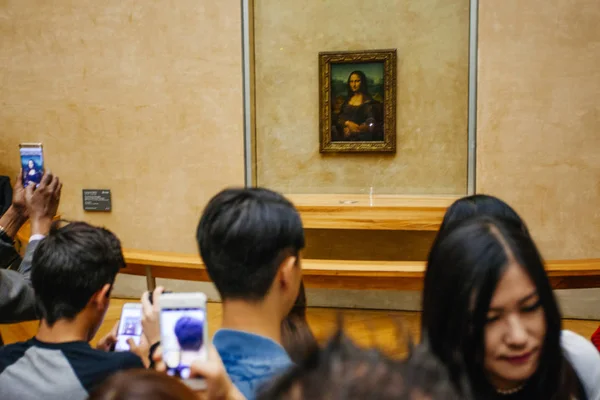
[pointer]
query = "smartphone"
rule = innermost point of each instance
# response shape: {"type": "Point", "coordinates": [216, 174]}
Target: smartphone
{"type": "Point", "coordinates": [32, 163]}
{"type": "Point", "coordinates": [151, 295]}
{"type": "Point", "coordinates": [184, 334]}
{"type": "Point", "coordinates": [130, 326]}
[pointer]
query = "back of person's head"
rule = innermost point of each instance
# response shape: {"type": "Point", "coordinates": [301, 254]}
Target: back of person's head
{"type": "Point", "coordinates": [245, 236]}
{"type": "Point", "coordinates": [71, 265]}
{"type": "Point", "coordinates": [342, 370]}
{"type": "Point", "coordinates": [464, 268]}
{"type": "Point", "coordinates": [141, 384]}
{"type": "Point", "coordinates": [480, 204]}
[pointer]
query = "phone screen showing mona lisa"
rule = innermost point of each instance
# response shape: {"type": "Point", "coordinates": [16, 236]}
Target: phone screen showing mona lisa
{"type": "Point", "coordinates": [32, 163]}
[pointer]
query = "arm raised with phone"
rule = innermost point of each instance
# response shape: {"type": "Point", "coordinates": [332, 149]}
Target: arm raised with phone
{"type": "Point", "coordinates": [17, 299]}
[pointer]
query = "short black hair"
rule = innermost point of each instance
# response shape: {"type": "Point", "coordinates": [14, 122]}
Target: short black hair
{"type": "Point", "coordinates": [71, 264]}
{"type": "Point", "coordinates": [342, 370]}
{"type": "Point", "coordinates": [243, 236]}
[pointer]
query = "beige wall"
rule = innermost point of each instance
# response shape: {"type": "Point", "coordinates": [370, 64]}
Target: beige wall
{"type": "Point", "coordinates": [146, 101]}
{"type": "Point", "coordinates": [431, 37]}
{"type": "Point", "coordinates": [538, 134]}
{"type": "Point", "coordinates": [143, 98]}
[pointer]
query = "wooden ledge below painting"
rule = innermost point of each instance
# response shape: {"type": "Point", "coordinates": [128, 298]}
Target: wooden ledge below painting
{"type": "Point", "coordinates": [376, 212]}
{"type": "Point", "coordinates": [358, 211]}
{"type": "Point", "coordinates": [347, 274]}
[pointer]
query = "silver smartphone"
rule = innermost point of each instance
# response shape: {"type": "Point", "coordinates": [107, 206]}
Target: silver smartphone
{"type": "Point", "coordinates": [184, 334]}
{"type": "Point", "coordinates": [32, 163]}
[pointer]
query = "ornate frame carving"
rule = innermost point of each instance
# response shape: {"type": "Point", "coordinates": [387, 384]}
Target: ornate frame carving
{"type": "Point", "coordinates": [388, 58]}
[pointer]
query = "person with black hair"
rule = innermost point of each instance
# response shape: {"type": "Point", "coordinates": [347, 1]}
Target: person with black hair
{"type": "Point", "coordinates": [489, 310]}
{"type": "Point", "coordinates": [74, 269]}
{"type": "Point", "coordinates": [250, 241]}
{"type": "Point", "coordinates": [342, 370]}
{"type": "Point", "coordinates": [480, 204]}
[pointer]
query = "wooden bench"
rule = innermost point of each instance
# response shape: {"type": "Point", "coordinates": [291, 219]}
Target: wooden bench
{"type": "Point", "coordinates": [346, 274]}
{"type": "Point", "coordinates": [378, 212]}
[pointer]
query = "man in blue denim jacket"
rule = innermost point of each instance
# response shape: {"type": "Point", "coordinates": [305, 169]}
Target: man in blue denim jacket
{"type": "Point", "coordinates": [250, 240]}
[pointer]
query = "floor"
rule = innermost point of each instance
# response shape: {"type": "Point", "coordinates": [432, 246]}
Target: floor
{"type": "Point", "coordinates": [386, 330]}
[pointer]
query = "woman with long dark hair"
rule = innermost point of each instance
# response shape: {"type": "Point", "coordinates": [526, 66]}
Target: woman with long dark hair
{"type": "Point", "coordinates": [480, 204]}
{"type": "Point", "coordinates": [359, 117]}
{"type": "Point", "coordinates": [489, 311]}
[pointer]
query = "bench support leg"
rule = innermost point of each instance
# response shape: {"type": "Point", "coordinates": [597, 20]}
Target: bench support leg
{"type": "Point", "coordinates": [150, 280]}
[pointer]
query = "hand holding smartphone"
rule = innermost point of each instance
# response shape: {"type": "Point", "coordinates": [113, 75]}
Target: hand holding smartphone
{"type": "Point", "coordinates": [130, 326]}
{"type": "Point", "coordinates": [32, 163]}
{"type": "Point", "coordinates": [184, 334]}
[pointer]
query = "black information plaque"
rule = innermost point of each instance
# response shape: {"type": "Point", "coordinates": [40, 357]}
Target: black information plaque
{"type": "Point", "coordinates": [96, 200]}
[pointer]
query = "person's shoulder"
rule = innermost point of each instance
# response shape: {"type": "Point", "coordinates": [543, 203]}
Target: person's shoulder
{"type": "Point", "coordinates": [576, 345]}
{"type": "Point", "coordinates": [241, 351]}
{"type": "Point", "coordinates": [127, 359]}
{"type": "Point", "coordinates": [120, 359]}
{"type": "Point", "coordinates": [15, 348]}
{"type": "Point", "coordinates": [99, 359]}
{"type": "Point", "coordinates": [11, 353]}
{"type": "Point", "coordinates": [585, 360]}
{"type": "Point", "coordinates": [92, 366]}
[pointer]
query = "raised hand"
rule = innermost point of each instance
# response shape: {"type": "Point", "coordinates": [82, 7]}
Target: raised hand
{"type": "Point", "coordinates": [18, 200]}
{"type": "Point", "coordinates": [150, 315]}
{"type": "Point", "coordinates": [109, 340]}
{"type": "Point", "coordinates": [42, 203]}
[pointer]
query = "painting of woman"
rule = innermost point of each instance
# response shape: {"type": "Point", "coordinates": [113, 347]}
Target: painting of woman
{"type": "Point", "coordinates": [357, 101]}
{"type": "Point", "coordinates": [360, 116]}
{"type": "Point", "coordinates": [33, 174]}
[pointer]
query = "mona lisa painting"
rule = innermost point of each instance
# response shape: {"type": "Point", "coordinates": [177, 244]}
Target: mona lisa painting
{"type": "Point", "coordinates": [357, 101]}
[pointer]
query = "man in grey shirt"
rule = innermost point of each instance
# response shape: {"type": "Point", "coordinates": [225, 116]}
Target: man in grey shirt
{"type": "Point", "coordinates": [74, 269]}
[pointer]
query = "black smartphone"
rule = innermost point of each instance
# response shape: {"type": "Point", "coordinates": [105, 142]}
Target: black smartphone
{"type": "Point", "coordinates": [151, 293]}
{"type": "Point", "coordinates": [32, 163]}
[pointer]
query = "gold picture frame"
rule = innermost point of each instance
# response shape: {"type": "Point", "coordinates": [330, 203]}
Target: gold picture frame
{"type": "Point", "coordinates": [357, 101]}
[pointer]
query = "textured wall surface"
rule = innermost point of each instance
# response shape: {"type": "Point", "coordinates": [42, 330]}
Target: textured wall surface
{"type": "Point", "coordinates": [142, 98]}
{"type": "Point", "coordinates": [432, 41]}
{"type": "Point", "coordinates": [145, 99]}
{"type": "Point", "coordinates": [539, 118]}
